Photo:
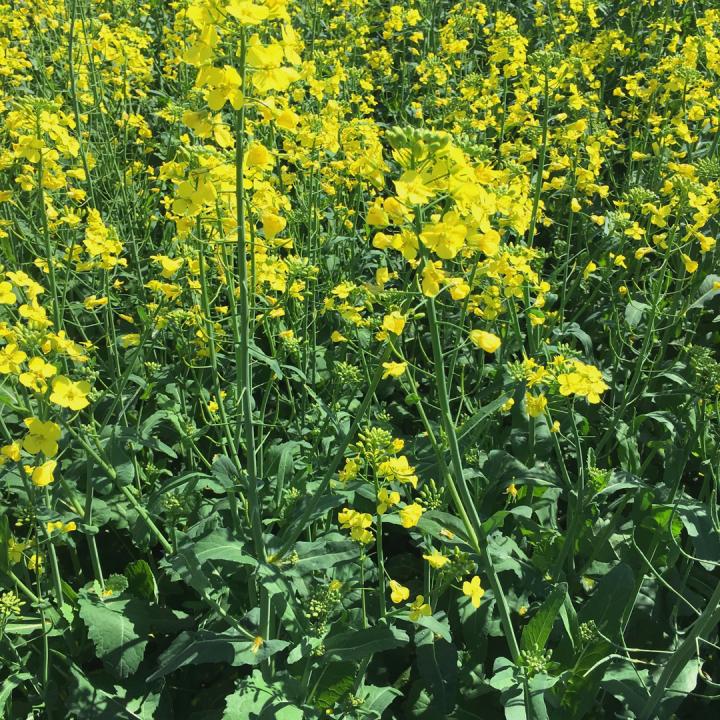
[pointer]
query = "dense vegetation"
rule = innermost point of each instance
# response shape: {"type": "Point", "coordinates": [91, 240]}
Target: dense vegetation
{"type": "Point", "coordinates": [359, 360]}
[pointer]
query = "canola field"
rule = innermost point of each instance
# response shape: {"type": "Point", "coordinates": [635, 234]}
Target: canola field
{"type": "Point", "coordinates": [359, 360]}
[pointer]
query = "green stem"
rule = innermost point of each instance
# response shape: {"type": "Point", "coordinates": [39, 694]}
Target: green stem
{"type": "Point", "coordinates": [680, 658]}
{"type": "Point", "coordinates": [334, 464]}
{"type": "Point", "coordinates": [459, 490]}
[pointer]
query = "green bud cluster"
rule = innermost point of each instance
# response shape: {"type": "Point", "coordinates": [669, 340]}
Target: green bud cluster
{"type": "Point", "coordinates": [536, 660]}
{"type": "Point", "coordinates": [430, 496]}
{"type": "Point", "coordinates": [588, 631]}
{"type": "Point", "coordinates": [347, 374]}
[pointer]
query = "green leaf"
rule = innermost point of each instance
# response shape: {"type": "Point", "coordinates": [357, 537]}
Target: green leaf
{"type": "Point", "coordinates": [255, 699]}
{"type": "Point", "coordinates": [9, 684]}
{"type": "Point", "coordinates": [336, 682]}
{"type": "Point", "coordinates": [471, 425]}
{"type": "Point", "coordinates": [607, 604]}
{"type": "Point", "coordinates": [703, 533]}
{"type": "Point", "coordinates": [627, 683]}
{"type": "Point", "coordinates": [205, 646]}
{"type": "Point", "coordinates": [224, 471]}
{"type": "Point", "coordinates": [537, 631]}
{"type": "Point", "coordinates": [119, 455]}
{"type": "Point", "coordinates": [358, 644]}
{"type": "Point", "coordinates": [112, 629]}
{"type": "Point", "coordinates": [272, 363]}
{"type": "Point", "coordinates": [86, 700]}
{"type": "Point", "coordinates": [141, 581]}
{"type": "Point", "coordinates": [708, 291]}
{"type": "Point", "coordinates": [634, 312]}
{"type": "Point", "coordinates": [377, 699]}
{"type": "Point", "coordinates": [325, 553]}
{"type": "Point", "coordinates": [437, 662]}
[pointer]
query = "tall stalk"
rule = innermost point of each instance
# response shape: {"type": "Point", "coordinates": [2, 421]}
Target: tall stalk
{"type": "Point", "coordinates": [459, 490]}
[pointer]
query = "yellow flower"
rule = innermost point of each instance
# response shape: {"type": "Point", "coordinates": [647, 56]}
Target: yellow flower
{"type": "Point", "coordinates": [536, 404]}
{"type": "Point", "coordinates": [432, 276]}
{"type": "Point", "coordinates": [10, 359]}
{"type": "Point", "coordinates": [350, 471]}
{"type": "Point", "coordinates": [485, 341]}
{"type": "Point", "coordinates": [473, 590]}
{"type": "Point", "coordinates": [446, 237]}
{"type": "Point", "coordinates": [357, 523]}
{"type": "Point", "coordinates": [436, 559]}
{"type": "Point", "coordinates": [377, 217]}
{"type": "Point", "coordinates": [411, 189]}
{"type": "Point", "coordinates": [247, 13]}
{"type": "Point", "coordinates": [7, 297]}
{"type": "Point", "coordinates": [394, 369]}
{"type": "Point", "coordinates": [584, 380]}
{"type": "Point", "coordinates": [690, 265]}
{"type": "Point", "coordinates": [16, 550]}
{"type": "Point", "coordinates": [93, 301]}
{"type": "Point", "coordinates": [394, 322]}
{"type": "Point", "coordinates": [42, 437]}
{"type": "Point", "coordinates": [386, 499]}
{"type": "Point", "coordinates": [419, 609]}
{"type": "Point", "coordinates": [398, 592]}
{"type": "Point", "coordinates": [69, 394]}
{"type": "Point", "coordinates": [130, 340]}
{"type": "Point", "coordinates": [43, 474]}
{"type": "Point", "coordinates": [61, 526]}
{"type": "Point", "coordinates": [398, 469]}
{"type": "Point", "coordinates": [35, 563]}
{"type": "Point", "coordinates": [337, 337]}
{"type": "Point", "coordinates": [590, 268]}
{"type": "Point", "coordinates": [38, 371]}
{"type": "Point", "coordinates": [169, 266]}
{"type": "Point", "coordinates": [410, 515]}
{"type": "Point", "coordinates": [10, 452]}
{"type": "Point", "coordinates": [640, 253]}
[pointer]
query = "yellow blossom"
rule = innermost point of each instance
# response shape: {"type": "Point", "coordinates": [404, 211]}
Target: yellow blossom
{"type": "Point", "coordinates": [473, 590]}
{"type": "Point", "coordinates": [44, 474]}
{"type": "Point", "coordinates": [536, 404]}
{"type": "Point", "coordinates": [485, 340]}
{"type": "Point", "coordinates": [42, 437]}
{"type": "Point", "coordinates": [436, 559]}
{"type": "Point", "coordinates": [419, 609]}
{"type": "Point", "coordinates": [394, 369]}
{"type": "Point", "coordinates": [69, 394]}
{"type": "Point", "coordinates": [398, 593]}
{"type": "Point", "coordinates": [410, 515]}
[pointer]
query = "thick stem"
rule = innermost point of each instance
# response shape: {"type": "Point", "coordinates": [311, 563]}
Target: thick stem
{"type": "Point", "coordinates": [459, 490]}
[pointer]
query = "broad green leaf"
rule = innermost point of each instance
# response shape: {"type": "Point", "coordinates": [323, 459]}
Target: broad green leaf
{"type": "Point", "coordinates": [358, 644]}
{"type": "Point", "coordinates": [437, 662]}
{"type": "Point", "coordinates": [377, 699]}
{"type": "Point", "coordinates": [337, 681]}
{"type": "Point", "coordinates": [141, 581]}
{"type": "Point", "coordinates": [634, 312]}
{"type": "Point", "coordinates": [537, 631]}
{"type": "Point", "coordinates": [469, 427]}
{"type": "Point", "coordinates": [607, 604]}
{"type": "Point", "coordinates": [205, 646]}
{"type": "Point", "coordinates": [9, 684]}
{"type": "Point", "coordinates": [112, 628]}
{"type": "Point", "coordinates": [628, 683]}
{"type": "Point", "coordinates": [325, 553]}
